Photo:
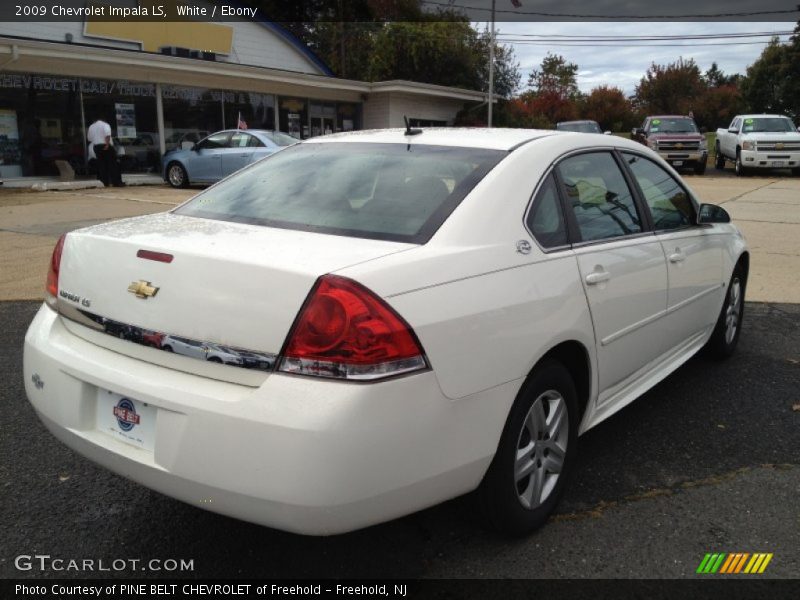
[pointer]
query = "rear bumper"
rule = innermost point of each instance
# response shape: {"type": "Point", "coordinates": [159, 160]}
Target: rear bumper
{"type": "Point", "coordinates": [302, 455]}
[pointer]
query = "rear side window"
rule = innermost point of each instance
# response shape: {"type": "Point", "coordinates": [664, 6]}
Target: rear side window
{"type": "Point", "coordinates": [546, 219]}
{"type": "Point", "coordinates": [599, 197]}
{"type": "Point", "coordinates": [401, 192]}
{"type": "Point", "coordinates": [670, 205]}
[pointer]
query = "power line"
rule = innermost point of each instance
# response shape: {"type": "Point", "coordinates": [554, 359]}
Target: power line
{"type": "Point", "coordinates": [620, 45]}
{"type": "Point", "coordinates": [614, 17]}
{"type": "Point", "coordinates": [634, 38]}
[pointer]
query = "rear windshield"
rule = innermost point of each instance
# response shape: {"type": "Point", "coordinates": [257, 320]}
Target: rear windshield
{"type": "Point", "coordinates": [399, 192]}
{"type": "Point", "coordinates": [580, 127]}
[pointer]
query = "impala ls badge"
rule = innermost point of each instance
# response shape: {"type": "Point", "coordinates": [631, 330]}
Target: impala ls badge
{"type": "Point", "coordinates": [142, 289]}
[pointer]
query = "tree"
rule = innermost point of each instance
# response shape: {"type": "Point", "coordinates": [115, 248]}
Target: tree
{"type": "Point", "coordinates": [506, 68]}
{"type": "Point", "coordinates": [672, 89]}
{"type": "Point", "coordinates": [718, 106]}
{"type": "Point", "coordinates": [715, 78]}
{"type": "Point", "coordinates": [555, 76]}
{"type": "Point", "coordinates": [792, 74]}
{"type": "Point", "coordinates": [609, 107]}
{"type": "Point", "coordinates": [764, 88]}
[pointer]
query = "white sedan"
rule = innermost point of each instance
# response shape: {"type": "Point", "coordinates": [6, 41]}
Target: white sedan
{"type": "Point", "coordinates": [421, 315]}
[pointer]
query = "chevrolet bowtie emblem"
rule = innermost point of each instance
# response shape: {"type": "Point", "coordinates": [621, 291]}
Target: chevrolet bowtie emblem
{"type": "Point", "coordinates": [679, 145]}
{"type": "Point", "coordinates": [779, 146]}
{"type": "Point", "coordinates": [142, 289]}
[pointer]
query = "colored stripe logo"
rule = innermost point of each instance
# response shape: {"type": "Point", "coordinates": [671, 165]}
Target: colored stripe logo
{"type": "Point", "coordinates": [734, 562]}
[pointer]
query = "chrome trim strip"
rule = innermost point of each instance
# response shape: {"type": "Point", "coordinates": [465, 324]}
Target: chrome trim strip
{"type": "Point", "coordinates": [206, 351]}
{"type": "Point", "coordinates": [654, 317]}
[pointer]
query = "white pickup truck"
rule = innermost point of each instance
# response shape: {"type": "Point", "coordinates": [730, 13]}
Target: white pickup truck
{"type": "Point", "coordinates": [759, 142]}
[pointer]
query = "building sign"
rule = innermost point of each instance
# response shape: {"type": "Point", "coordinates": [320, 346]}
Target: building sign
{"type": "Point", "coordinates": [153, 35]}
{"type": "Point", "coordinates": [56, 83]}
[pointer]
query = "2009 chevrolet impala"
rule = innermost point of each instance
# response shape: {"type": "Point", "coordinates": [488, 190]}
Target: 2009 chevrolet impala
{"type": "Point", "coordinates": [364, 325]}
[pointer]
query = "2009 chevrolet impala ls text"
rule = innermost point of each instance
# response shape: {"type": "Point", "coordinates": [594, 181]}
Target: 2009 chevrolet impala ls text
{"type": "Point", "coordinates": [367, 324]}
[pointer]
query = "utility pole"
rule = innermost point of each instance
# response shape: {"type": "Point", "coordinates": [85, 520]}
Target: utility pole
{"type": "Point", "coordinates": [491, 67]}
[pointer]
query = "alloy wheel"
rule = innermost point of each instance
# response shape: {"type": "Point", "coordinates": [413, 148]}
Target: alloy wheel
{"type": "Point", "coordinates": [733, 311]}
{"type": "Point", "coordinates": [541, 449]}
{"type": "Point", "coordinates": [176, 175]}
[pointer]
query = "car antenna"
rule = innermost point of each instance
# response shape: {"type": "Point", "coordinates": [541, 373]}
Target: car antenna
{"type": "Point", "coordinates": [410, 131]}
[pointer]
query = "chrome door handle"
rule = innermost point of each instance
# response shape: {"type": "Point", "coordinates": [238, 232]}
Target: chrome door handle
{"type": "Point", "coordinates": [677, 256]}
{"type": "Point", "coordinates": [596, 277]}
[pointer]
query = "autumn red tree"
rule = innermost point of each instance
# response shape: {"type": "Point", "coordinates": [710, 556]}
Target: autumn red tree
{"type": "Point", "coordinates": [610, 107]}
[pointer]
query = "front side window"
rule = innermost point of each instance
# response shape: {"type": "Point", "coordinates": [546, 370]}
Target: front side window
{"type": "Point", "coordinates": [599, 197]}
{"type": "Point", "coordinates": [213, 142]}
{"type": "Point", "coordinates": [546, 220]}
{"type": "Point", "coordinates": [670, 205]}
{"type": "Point", "coordinates": [381, 191]}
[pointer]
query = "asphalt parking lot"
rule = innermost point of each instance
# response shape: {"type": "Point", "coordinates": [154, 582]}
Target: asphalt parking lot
{"type": "Point", "coordinates": [707, 461]}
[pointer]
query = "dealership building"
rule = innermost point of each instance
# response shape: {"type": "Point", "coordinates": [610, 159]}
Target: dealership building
{"type": "Point", "coordinates": [166, 85]}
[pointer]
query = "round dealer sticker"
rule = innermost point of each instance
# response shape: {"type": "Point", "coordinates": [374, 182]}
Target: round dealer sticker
{"type": "Point", "coordinates": [125, 413]}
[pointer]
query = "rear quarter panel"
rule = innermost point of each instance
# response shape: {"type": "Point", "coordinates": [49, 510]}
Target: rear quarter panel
{"type": "Point", "coordinates": [484, 312]}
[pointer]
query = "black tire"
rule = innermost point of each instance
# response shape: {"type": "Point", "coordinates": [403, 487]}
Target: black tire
{"type": "Point", "coordinates": [167, 348]}
{"type": "Point", "coordinates": [719, 159]}
{"type": "Point", "coordinates": [501, 493]}
{"type": "Point", "coordinates": [700, 168]}
{"type": "Point", "coordinates": [722, 344]}
{"type": "Point", "coordinates": [796, 171]}
{"type": "Point", "coordinates": [177, 176]}
{"type": "Point", "coordinates": [215, 359]}
{"type": "Point", "coordinates": [738, 167]}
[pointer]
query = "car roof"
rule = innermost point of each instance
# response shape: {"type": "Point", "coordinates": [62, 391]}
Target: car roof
{"type": "Point", "coordinates": [669, 117]}
{"type": "Point", "coordinates": [577, 121]}
{"type": "Point", "coordinates": [477, 137]}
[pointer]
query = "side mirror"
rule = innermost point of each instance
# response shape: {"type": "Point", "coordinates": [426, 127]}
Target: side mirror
{"type": "Point", "coordinates": [711, 213]}
{"type": "Point", "coordinates": [606, 133]}
{"type": "Point", "coordinates": [187, 145]}
{"type": "Point", "coordinates": [798, 130]}
{"type": "Point", "coordinates": [733, 130]}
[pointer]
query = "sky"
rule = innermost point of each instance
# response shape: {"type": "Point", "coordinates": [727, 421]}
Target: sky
{"type": "Point", "coordinates": [624, 66]}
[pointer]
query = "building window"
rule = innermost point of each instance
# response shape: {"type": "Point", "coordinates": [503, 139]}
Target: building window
{"type": "Point", "coordinates": [40, 122]}
{"type": "Point", "coordinates": [130, 109]}
{"type": "Point", "coordinates": [256, 110]}
{"type": "Point", "coordinates": [293, 117]}
{"type": "Point", "coordinates": [190, 114]}
{"type": "Point", "coordinates": [348, 116]}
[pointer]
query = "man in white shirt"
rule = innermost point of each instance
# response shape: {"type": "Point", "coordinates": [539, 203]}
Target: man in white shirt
{"type": "Point", "coordinates": [99, 137]}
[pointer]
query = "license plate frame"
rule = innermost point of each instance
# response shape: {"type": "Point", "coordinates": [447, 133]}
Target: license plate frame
{"type": "Point", "coordinates": [677, 163]}
{"type": "Point", "coordinates": [126, 419]}
{"type": "Point", "coordinates": [778, 163]}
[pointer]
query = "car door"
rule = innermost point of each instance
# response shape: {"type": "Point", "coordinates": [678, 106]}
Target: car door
{"type": "Point", "coordinates": [205, 162]}
{"type": "Point", "coordinates": [622, 267]}
{"type": "Point", "coordinates": [729, 140]}
{"type": "Point", "coordinates": [694, 252]}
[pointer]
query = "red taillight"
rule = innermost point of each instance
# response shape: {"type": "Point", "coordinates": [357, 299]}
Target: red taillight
{"type": "Point", "coordinates": [51, 287]}
{"type": "Point", "coordinates": [346, 332]}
